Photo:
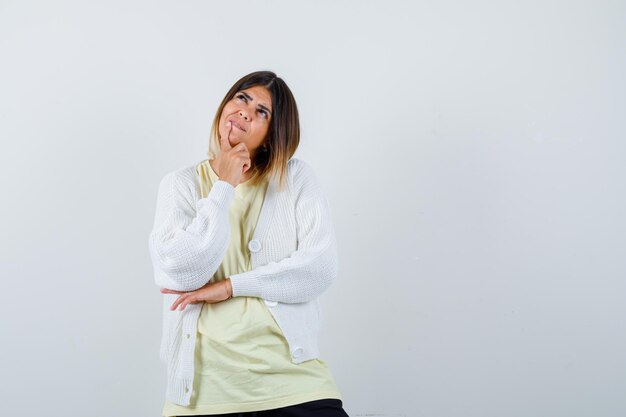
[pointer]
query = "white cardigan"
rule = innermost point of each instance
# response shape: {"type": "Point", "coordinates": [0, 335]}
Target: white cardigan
{"type": "Point", "coordinates": [293, 253]}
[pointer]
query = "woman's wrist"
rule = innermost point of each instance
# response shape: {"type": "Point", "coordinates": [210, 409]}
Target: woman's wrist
{"type": "Point", "coordinates": [229, 287]}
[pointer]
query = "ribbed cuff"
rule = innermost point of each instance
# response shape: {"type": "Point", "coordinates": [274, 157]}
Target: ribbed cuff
{"type": "Point", "coordinates": [221, 194]}
{"type": "Point", "coordinates": [243, 284]}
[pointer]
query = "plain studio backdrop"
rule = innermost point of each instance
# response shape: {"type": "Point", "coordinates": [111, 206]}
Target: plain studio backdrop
{"type": "Point", "coordinates": [473, 154]}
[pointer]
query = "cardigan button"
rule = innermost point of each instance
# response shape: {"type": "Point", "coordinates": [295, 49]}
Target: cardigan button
{"type": "Point", "coordinates": [297, 352]}
{"type": "Point", "coordinates": [254, 245]}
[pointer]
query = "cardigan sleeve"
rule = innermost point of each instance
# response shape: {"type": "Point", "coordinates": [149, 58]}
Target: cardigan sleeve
{"type": "Point", "coordinates": [310, 269]}
{"type": "Point", "coordinates": [189, 238]}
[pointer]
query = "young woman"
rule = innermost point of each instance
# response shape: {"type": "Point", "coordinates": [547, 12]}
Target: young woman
{"type": "Point", "coordinates": [242, 247]}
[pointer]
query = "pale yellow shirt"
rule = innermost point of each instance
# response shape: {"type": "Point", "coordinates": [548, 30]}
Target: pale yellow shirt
{"type": "Point", "coordinates": [241, 360]}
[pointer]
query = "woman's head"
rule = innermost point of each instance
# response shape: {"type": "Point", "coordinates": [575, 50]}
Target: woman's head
{"type": "Point", "coordinates": [265, 118]}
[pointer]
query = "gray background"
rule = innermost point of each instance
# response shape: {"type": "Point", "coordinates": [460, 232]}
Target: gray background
{"type": "Point", "coordinates": [473, 154]}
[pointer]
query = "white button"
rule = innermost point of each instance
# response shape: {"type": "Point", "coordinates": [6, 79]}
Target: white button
{"type": "Point", "coordinates": [186, 389]}
{"type": "Point", "coordinates": [297, 352]}
{"type": "Point", "coordinates": [270, 303]}
{"type": "Point", "coordinates": [188, 335]}
{"type": "Point", "coordinates": [254, 245]}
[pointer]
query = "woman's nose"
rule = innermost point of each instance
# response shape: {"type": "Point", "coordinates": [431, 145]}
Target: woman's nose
{"type": "Point", "coordinates": [243, 114]}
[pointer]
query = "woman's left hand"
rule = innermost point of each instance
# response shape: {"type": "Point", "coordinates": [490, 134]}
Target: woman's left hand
{"type": "Point", "coordinates": [212, 292]}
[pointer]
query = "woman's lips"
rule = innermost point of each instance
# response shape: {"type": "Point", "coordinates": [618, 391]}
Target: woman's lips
{"type": "Point", "coordinates": [237, 125]}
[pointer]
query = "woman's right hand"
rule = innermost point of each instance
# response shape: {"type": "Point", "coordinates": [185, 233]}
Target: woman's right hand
{"type": "Point", "coordinates": [232, 161]}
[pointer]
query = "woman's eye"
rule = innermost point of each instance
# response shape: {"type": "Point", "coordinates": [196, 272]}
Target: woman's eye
{"type": "Point", "coordinates": [244, 98]}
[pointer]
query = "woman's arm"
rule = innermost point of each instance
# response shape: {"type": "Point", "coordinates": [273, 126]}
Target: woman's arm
{"type": "Point", "coordinates": [187, 246]}
{"type": "Point", "coordinates": [308, 271]}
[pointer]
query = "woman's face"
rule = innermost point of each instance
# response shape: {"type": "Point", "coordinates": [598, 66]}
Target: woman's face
{"type": "Point", "coordinates": [250, 110]}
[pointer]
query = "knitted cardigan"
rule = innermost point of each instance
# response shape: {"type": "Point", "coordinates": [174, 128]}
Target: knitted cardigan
{"type": "Point", "coordinates": [293, 254]}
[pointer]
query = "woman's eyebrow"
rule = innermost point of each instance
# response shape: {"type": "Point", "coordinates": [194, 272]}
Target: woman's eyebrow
{"type": "Point", "coordinates": [251, 99]}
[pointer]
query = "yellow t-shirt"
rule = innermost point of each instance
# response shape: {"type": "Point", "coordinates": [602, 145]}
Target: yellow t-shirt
{"type": "Point", "coordinates": [241, 359]}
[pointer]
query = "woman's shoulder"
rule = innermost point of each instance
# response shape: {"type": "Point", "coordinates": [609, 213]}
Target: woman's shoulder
{"type": "Point", "coordinates": [184, 179]}
{"type": "Point", "coordinates": [298, 167]}
{"type": "Point", "coordinates": [184, 173]}
{"type": "Point", "coordinates": [302, 177]}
